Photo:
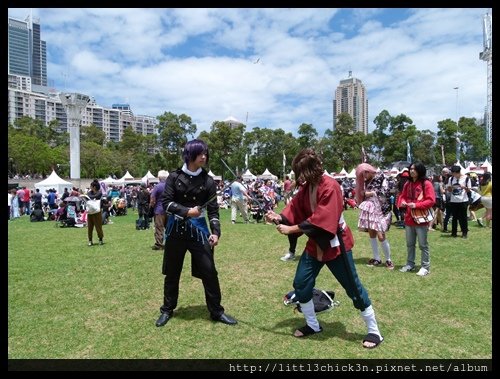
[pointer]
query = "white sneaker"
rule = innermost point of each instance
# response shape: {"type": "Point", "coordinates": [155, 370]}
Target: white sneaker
{"type": "Point", "coordinates": [288, 257]}
{"type": "Point", "coordinates": [422, 272]}
{"type": "Point", "coordinates": [406, 268]}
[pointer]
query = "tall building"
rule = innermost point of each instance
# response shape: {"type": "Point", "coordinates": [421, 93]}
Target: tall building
{"type": "Point", "coordinates": [350, 97]}
{"type": "Point", "coordinates": [27, 52]}
{"type": "Point", "coordinates": [28, 94]}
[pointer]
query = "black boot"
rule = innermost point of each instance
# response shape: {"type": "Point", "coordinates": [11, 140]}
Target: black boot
{"type": "Point", "coordinates": [163, 319]}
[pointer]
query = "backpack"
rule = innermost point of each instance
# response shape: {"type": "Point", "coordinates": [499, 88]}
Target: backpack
{"type": "Point", "coordinates": [322, 300]}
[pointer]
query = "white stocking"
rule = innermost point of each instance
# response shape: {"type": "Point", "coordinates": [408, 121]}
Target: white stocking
{"type": "Point", "coordinates": [374, 243]}
{"type": "Point", "coordinates": [387, 250]}
{"type": "Point", "coordinates": [369, 318]}
{"type": "Point", "coordinates": [310, 315]}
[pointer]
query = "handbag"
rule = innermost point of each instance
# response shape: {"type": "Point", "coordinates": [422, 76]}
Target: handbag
{"type": "Point", "coordinates": [93, 206]}
{"type": "Point", "coordinates": [422, 216]}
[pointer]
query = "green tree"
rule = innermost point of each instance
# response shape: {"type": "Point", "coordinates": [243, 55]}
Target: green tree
{"type": "Point", "coordinates": [97, 161]}
{"type": "Point", "coordinates": [29, 154]}
{"type": "Point", "coordinates": [94, 134]}
{"type": "Point", "coordinates": [473, 136]}
{"type": "Point", "coordinates": [344, 144]}
{"type": "Point", "coordinates": [424, 148]}
{"type": "Point", "coordinates": [174, 131]}
{"type": "Point", "coordinates": [225, 142]}
{"type": "Point", "coordinates": [308, 136]}
{"type": "Point", "coordinates": [446, 137]}
{"type": "Point", "coordinates": [382, 123]}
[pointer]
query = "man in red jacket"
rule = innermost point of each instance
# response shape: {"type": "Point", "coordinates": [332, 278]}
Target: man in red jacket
{"type": "Point", "coordinates": [316, 211]}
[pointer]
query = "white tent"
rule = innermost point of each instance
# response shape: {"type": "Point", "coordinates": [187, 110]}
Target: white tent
{"type": "Point", "coordinates": [342, 174]}
{"type": "Point", "coordinates": [291, 174]}
{"type": "Point", "coordinates": [128, 179]}
{"type": "Point", "coordinates": [247, 175]}
{"type": "Point", "coordinates": [112, 182]}
{"type": "Point", "coordinates": [352, 174]}
{"type": "Point", "coordinates": [216, 177]}
{"type": "Point", "coordinates": [149, 178]}
{"type": "Point", "coordinates": [53, 181]}
{"type": "Point", "coordinates": [267, 175]}
{"type": "Point", "coordinates": [487, 166]}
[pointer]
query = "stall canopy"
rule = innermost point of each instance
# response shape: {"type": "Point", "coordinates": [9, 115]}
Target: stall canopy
{"type": "Point", "coordinates": [112, 182]}
{"type": "Point", "coordinates": [149, 178]}
{"type": "Point", "coordinates": [216, 177]}
{"type": "Point", "coordinates": [129, 179]}
{"type": "Point", "coordinates": [267, 175]}
{"type": "Point", "coordinates": [53, 181]}
{"type": "Point", "coordinates": [486, 166]}
{"type": "Point", "coordinates": [247, 175]}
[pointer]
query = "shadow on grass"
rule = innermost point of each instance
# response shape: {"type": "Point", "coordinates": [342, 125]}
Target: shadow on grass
{"type": "Point", "coordinates": [288, 326]}
{"type": "Point", "coordinates": [192, 312]}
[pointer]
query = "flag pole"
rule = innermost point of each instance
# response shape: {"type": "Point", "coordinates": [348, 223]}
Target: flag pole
{"type": "Point", "coordinates": [284, 164]}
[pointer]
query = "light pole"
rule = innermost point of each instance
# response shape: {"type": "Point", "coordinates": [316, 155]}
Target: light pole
{"type": "Point", "coordinates": [74, 105]}
{"type": "Point", "coordinates": [457, 137]}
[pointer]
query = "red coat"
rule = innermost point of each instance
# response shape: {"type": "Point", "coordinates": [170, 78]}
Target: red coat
{"type": "Point", "coordinates": [326, 215]}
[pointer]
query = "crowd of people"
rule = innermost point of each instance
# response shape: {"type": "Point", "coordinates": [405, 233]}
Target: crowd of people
{"type": "Point", "coordinates": [184, 207]}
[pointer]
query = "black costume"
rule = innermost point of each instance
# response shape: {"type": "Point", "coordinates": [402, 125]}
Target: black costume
{"type": "Point", "coordinates": [184, 191]}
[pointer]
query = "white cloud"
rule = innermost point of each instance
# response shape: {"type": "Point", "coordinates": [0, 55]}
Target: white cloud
{"type": "Point", "coordinates": [201, 61]}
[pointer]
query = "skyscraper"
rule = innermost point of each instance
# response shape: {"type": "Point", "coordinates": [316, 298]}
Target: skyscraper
{"type": "Point", "coordinates": [350, 97]}
{"type": "Point", "coordinates": [27, 52]}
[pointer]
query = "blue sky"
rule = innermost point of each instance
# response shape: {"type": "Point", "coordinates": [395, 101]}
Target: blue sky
{"type": "Point", "coordinates": [269, 68]}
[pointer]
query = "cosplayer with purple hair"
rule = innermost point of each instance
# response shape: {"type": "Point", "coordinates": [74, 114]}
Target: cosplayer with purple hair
{"type": "Point", "coordinates": [190, 196]}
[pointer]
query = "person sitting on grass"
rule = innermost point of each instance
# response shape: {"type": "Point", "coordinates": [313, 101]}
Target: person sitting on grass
{"type": "Point", "coordinates": [37, 214]}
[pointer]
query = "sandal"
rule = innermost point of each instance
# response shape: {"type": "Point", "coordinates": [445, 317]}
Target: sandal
{"type": "Point", "coordinates": [373, 338]}
{"type": "Point", "coordinates": [305, 331]}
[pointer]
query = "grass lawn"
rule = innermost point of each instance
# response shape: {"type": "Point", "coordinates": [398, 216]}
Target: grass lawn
{"type": "Point", "coordinates": [68, 300]}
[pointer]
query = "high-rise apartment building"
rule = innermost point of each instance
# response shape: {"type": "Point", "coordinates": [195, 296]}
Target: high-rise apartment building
{"type": "Point", "coordinates": [350, 97]}
{"type": "Point", "coordinates": [27, 52]}
{"type": "Point", "coordinates": [28, 94]}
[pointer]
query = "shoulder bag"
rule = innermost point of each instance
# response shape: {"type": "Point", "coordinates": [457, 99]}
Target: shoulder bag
{"type": "Point", "coordinates": [93, 206]}
{"type": "Point", "coordinates": [422, 216]}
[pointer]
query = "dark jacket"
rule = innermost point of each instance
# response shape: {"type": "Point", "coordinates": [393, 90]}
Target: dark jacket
{"type": "Point", "coordinates": [183, 191]}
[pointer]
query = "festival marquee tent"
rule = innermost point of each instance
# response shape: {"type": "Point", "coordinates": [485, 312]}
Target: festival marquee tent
{"type": "Point", "coordinates": [112, 182]}
{"type": "Point", "coordinates": [352, 174]}
{"type": "Point", "coordinates": [53, 181]}
{"type": "Point", "coordinates": [149, 178]}
{"type": "Point", "coordinates": [487, 166]}
{"type": "Point", "coordinates": [129, 179]}
{"type": "Point", "coordinates": [267, 175]}
{"type": "Point", "coordinates": [247, 175]}
{"type": "Point", "coordinates": [216, 177]}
